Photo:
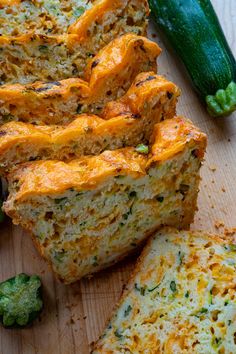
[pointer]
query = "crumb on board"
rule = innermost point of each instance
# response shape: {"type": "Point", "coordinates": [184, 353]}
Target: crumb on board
{"type": "Point", "coordinates": [223, 189]}
{"type": "Point", "coordinates": [212, 206]}
{"type": "Point", "coordinates": [212, 181]}
{"type": "Point", "coordinates": [212, 168]}
{"type": "Point", "coordinates": [219, 223]}
{"type": "Point", "coordinates": [229, 231]}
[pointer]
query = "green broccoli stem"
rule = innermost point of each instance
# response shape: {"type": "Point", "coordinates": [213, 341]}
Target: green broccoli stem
{"type": "Point", "coordinates": [223, 102]}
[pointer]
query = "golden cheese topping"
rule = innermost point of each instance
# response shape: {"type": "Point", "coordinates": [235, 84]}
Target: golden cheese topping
{"type": "Point", "coordinates": [32, 55]}
{"type": "Point", "coordinates": [93, 15]}
{"type": "Point", "coordinates": [55, 177]}
{"type": "Point", "coordinates": [58, 101]}
{"type": "Point", "coordinates": [171, 137]}
{"type": "Point", "coordinates": [53, 17]}
{"type": "Point", "coordinates": [126, 122]}
{"type": "Point", "coordinates": [180, 299]}
{"type": "Point", "coordinates": [89, 213]}
{"type": "Point", "coordinates": [121, 50]}
{"type": "Point", "coordinates": [146, 87]}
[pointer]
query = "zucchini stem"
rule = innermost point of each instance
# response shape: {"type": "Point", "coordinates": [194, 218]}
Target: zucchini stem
{"type": "Point", "coordinates": [223, 102]}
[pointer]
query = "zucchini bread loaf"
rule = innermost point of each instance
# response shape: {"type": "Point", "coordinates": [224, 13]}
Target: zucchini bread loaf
{"type": "Point", "coordinates": [18, 17]}
{"type": "Point", "coordinates": [34, 56]}
{"type": "Point", "coordinates": [126, 122]}
{"type": "Point", "coordinates": [181, 298]}
{"type": "Point", "coordinates": [87, 214]}
{"type": "Point", "coordinates": [108, 76]}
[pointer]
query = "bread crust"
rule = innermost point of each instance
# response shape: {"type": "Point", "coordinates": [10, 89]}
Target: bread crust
{"type": "Point", "coordinates": [103, 198]}
{"type": "Point", "coordinates": [56, 176]}
{"type": "Point", "coordinates": [108, 76]}
{"type": "Point", "coordinates": [125, 122]}
{"type": "Point", "coordinates": [41, 56]}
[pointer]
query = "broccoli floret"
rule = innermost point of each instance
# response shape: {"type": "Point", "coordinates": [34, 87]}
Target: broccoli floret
{"type": "Point", "coordinates": [20, 300]}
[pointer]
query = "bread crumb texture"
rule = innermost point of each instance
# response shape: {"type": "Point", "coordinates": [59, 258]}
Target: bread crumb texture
{"type": "Point", "coordinates": [91, 212]}
{"type": "Point", "coordinates": [37, 44]}
{"type": "Point", "coordinates": [107, 77]}
{"type": "Point", "coordinates": [181, 298]}
{"type": "Point", "coordinates": [128, 121]}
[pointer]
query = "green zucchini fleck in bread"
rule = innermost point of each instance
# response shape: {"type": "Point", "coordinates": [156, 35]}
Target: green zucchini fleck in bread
{"type": "Point", "coordinates": [102, 207]}
{"type": "Point", "coordinates": [180, 299]}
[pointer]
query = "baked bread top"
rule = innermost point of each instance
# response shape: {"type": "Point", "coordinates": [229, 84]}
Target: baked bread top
{"type": "Point", "coordinates": [128, 121]}
{"type": "Point", "coordinates": [108, 77]}
{"type": "Point", "coordinates": [180, 299]}
{"type": "Point", "coordinates": [33, 56]}
{"type": "Point", "coordinates": [53, 17]}
{"type": "Point", "coordinates": [54, 177]}
{"type": "Point", "coordinates": [89, 213]}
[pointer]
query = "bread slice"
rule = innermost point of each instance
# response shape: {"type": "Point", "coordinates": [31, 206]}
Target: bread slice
{"type": "Point", "coordinates": [180, 299]}
{"type": "Point", "coordinates": [126, 122]}
{"type": "Point", "coordinates": [108, 76]}
{"type": "Point", "coordinates": [34, 56]}
{"type": "Point", "coordinates": [41, 16]}
{"type": "Point", "coordinates": [57, 17]}
{"type": "Point", "coordinates": [88, 214]}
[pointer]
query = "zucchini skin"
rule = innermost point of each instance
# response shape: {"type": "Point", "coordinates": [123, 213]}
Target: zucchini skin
{"type": "Point", "coordinates": [193, 29]}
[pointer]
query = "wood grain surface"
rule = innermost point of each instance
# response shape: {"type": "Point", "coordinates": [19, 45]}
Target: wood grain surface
{"type": "Point", "coordinates": [74, 316]}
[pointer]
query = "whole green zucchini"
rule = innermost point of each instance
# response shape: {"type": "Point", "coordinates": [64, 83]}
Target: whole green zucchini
{"type": "Point", "coordinates": [193, 29]}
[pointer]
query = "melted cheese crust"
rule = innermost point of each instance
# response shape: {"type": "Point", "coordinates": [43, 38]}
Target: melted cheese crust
{"type": "Point", "coordinates": [126, 122]}
{"type": "Point", "coordinates": [180, 299]}
{"type": "Point", "coordinates": [108, 76]}
{"type": "Point", "coordinates": [35, 56]}
{"type": "Point", "coordinates": [88, 172]}
{"type": "Point", "coordinates": [89, 213]}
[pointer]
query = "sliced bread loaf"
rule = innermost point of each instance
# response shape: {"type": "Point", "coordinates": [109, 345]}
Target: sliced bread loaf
{"type": "Point", "coordinates": [108, 76]}
{"type": "Point", "coordinates": [34, 56]}
{"type": "Point", "coordinates": [126, 122]}
{"type": "Point", "coordinates": [91, 212]}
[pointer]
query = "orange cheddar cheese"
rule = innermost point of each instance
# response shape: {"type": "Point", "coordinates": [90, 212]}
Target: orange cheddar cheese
{"type": "Point", "coordinates": [125, 122]}
{"type": "Point", "coordinates": [108, 76]}
{"type": "Point", "coordinates": [86, 214]}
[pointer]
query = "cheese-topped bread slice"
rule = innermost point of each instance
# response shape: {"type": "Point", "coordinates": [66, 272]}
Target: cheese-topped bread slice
{"type": "Point", "coordinates": [91, 212]}
{"type": "Point", "coordinates": [181, 298]}
{"type": "Point", "coordinates": [34, 56]}
{"type": "Point", "coordinates": [41, 16]}
{"type": "Point", "coordinates": [108, 76]}
{"type": "Point", "coordinates": [126, 122]}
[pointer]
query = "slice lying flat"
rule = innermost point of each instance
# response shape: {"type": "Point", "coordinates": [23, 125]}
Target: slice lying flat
{"type": "Point", "coordinates": [180, 299]}
{"type": "Point", "coordinates": [33, 56]}
{"type": "Point", "coordinates": [91, 212]}
{"type": "Point", "coordinates": [126, 122]}
{"type": "Point", "coordinates": [108, 76]}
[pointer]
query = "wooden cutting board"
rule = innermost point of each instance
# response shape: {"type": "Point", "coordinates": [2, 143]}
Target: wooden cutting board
{"type": "Point", "coordinates": [74, 316]}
